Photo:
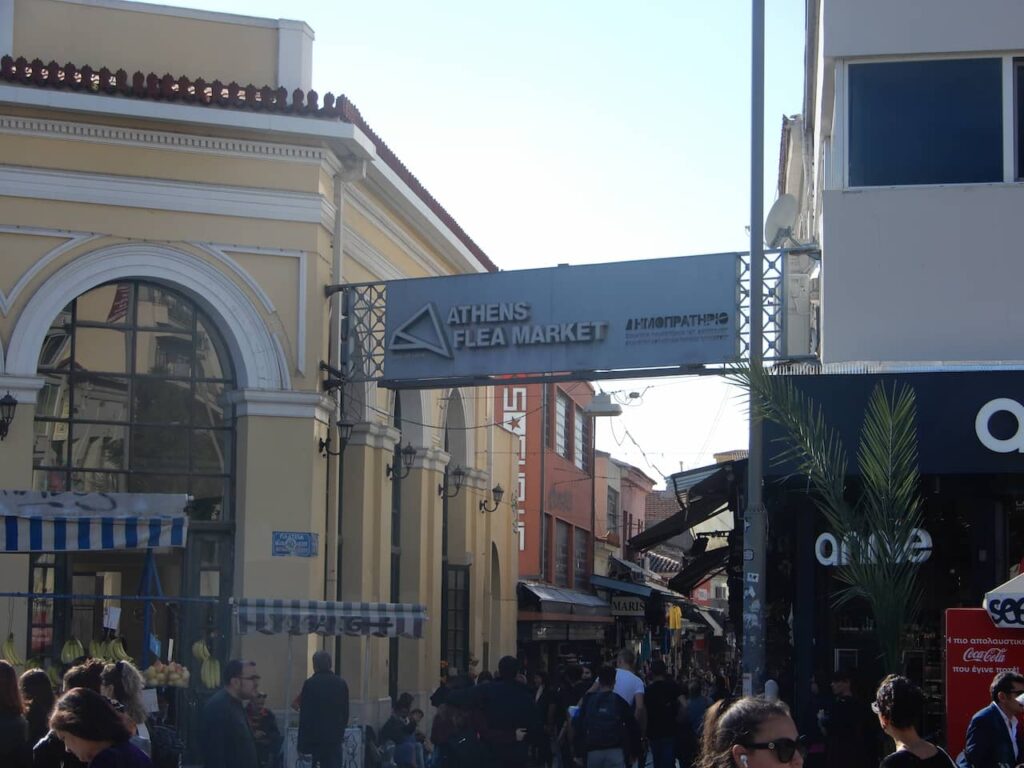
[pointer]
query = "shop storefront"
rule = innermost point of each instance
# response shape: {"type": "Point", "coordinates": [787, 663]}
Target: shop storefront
{"type": "Point", "coordinates": [559, 627]}
{"type": "Point", "coordinates": [971, 539]}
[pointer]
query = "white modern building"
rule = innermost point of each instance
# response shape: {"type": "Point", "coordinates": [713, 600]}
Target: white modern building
{"type": "Point", "coordinates": [909, 160]}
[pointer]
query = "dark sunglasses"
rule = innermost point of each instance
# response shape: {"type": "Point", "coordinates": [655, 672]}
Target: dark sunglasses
{"type": "Point", "coordinates": [784, 749]}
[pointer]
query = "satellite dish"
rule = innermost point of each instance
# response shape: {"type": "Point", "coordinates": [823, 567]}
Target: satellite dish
{"type": "Point", "coordinates": [778, 227]}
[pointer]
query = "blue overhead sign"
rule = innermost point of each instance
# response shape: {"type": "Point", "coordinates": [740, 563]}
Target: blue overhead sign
{"type": "Point", "coordinates": [603, 317]}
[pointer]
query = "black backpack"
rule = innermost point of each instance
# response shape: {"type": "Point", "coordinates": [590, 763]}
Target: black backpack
{"type": "Point", "coordinates": [601, 721]}
{"type": "Point", "coordinates": [167, 746]}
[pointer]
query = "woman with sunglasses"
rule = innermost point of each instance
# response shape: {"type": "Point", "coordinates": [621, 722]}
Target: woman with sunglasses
{"type": "Point", "coordinates": [750, 733]}
{"type": "Point", "coordinates": [899, 705]}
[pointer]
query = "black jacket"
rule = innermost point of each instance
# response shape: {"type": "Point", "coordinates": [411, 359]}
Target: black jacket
{"type": "Point", "coordinates": [49, 752]}
{"type": "Point", "coordinates": [225, 736]}
{"type": "Point", "coordinates": [505, 705]}
{"type": "Point", "coordinates": [323, 712]}
{"type": "Point", "coordinates": [14, 747]}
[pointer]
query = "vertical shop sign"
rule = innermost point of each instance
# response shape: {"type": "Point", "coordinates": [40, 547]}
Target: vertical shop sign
{"type": "Point", "coordinates": [976, 651]}
{"type": "Point", "coordinates": [513, 418]}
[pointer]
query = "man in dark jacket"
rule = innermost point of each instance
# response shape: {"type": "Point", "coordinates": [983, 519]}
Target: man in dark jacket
{"type": "Point", "coordinates": [225, 736]}
{"type": "Point", "coordinates": [323, 714]}
{"type": "Point", "coordinates": [605, 730]}
{"type": "Point", "coordinates": [851, 733]}
{"type": "Point", "coordinates": [510, 720]}
{"type": "Point", "coordinates": [994, 736]}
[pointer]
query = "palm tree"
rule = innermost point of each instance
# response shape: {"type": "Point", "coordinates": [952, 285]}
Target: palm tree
{"type": "Point", "coordinates": [875, 519]}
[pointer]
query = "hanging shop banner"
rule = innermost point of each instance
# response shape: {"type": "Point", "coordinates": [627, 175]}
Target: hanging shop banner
{"type": "Point", "coordinates": [976, 650]}
{"type": "Point", "coordinates": [627, 605]}
{"type": "Point", "coordinates": [601, 317]}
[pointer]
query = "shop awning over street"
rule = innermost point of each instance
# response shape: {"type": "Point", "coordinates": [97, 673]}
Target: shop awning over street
{"type": "Point", "coordinates": [702, 493]}
{"type": "Point", "coordinates": [548, 599]}
{"type": "Point", "coordinates": [38, 521]}
{"type": "Point", "coordinates": [632, 588]}
{"type": "Point", "coordinates": [704, 566]}
{"type": "Point", "coordinates": [306, 617]}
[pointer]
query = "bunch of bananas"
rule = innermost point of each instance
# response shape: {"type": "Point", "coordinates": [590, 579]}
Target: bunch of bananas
{"type": "Point", "coordinates": [116, 651]}
{"type": "Point", "coordinates": [72, 650]}
{"type": "Point", "coordinates": [9, 652]}
{"type": "Point", "coordinates": [199, 650]}
{"type": "Point", "coordinates": [209, 673]}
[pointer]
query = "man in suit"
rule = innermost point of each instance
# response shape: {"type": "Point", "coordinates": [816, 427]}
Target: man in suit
{"type": "Point", "coordinates": [994, 736]}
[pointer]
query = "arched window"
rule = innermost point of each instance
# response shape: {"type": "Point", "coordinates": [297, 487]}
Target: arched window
{"type": "Point", "coordinates": [133, 401]}
{"type": "Point", "coordinates": [135, 374]}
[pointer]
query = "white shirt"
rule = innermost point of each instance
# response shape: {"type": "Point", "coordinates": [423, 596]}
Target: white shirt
{"type": "Point", "coordinates": [628, 685]}
{"type": "Point", "coordinates": [1011, 724]}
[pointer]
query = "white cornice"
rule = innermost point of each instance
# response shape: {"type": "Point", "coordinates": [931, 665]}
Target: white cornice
{"type": "Point", "coordinates": [423, 218]}
{"type": "Point", "coordinates": [281, 404]}
{"type": "Point", "coordinates": [23, 388]}
{"type": "Point", "coordinates": [369, 257]}
{"type": "Point", "coordinates": [374, 435]}
{"type": "Point", "coordinates": [179, 142]}
{"type": "Point", "coordinates": [386, 224]}
{"type": "Point", "coordinates": [343, 138]}
{"type": "Point", "coordinates": [431, 459]}
{"type": "Point", "coordinates": [159, 194]}
{"type": "Point", "coordinates": [476, 478]}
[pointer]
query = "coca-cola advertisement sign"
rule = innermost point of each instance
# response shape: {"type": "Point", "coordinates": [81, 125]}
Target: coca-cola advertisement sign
{"type": "Point", "coordinates": [985, 655]}
{"type": "Point", "coordinates": [976, 650]}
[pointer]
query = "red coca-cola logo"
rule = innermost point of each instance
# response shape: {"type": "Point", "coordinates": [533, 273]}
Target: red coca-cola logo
{"type": "Point", "coordinates": [992, 655]}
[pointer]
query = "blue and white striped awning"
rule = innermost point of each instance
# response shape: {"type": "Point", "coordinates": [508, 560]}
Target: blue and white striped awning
{"type": "Point", "coordinates": [304, 617]}
{"type": "Point", "coordinates": [39, 521]}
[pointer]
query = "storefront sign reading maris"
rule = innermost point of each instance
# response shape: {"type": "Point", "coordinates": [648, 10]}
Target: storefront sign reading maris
{"type": "Point", "coordinates": [831, 553]}
{"type": "Point", "coordinates": [623, 605]}
{"type": "Point", "coordinates": [602, 317]}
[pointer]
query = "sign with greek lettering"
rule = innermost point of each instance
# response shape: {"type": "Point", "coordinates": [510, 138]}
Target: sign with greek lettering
{"type": "Point", "coordinates": [621, 316]}
{"type": "Point", "coordinates": [295, 544]}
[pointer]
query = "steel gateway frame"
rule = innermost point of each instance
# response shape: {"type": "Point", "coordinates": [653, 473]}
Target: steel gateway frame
{"type": "Point", "coordinates": [365, 322]}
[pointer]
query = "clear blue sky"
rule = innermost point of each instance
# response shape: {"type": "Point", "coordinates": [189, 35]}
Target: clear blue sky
{"type": "Point", "coordinates": [574, 131]}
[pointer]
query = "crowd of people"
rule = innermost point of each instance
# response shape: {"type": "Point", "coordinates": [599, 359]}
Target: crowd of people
{"type": "Point", "coordinates": [99, 721]}
{"type": "Point", "coordinates": [621, 716]}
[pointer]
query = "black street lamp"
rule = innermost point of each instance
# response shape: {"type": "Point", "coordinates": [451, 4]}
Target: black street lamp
{"type": "Point", "coordinates": [7, 406]}
{"type": "Point", "coordinates": [456, 477]}
{"type": "Point", "coordinates": [408, 457]}
{"type": "Point", "coordinates": [497, 492]}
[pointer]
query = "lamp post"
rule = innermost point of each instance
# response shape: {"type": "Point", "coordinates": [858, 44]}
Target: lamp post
{"type": "Point", "coordinates": [457, 476]}
{"type": "Point", "coordinates": [408, 457]}
{"type": "Point", "coordinates": [754, 515]}
{"type": "Point", "coordinates": [498, 493]}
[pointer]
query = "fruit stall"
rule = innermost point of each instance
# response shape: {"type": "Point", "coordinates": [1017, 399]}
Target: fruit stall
{"type": "Point", "coordinates": [178, 675]}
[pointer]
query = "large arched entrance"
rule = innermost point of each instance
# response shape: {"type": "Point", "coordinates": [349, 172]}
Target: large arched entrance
{"type": "Point", "coordinates": [133, 401]}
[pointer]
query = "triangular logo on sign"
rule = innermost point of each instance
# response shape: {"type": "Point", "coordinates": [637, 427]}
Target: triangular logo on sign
{"type": "Point", "coordinates": [421, 333]}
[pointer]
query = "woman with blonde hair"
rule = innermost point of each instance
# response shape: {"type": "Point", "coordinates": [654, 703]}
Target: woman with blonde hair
{"type": "Point", "coordinates": [750, 733]}
{"type": "Point", "coordinates": [123, 683]}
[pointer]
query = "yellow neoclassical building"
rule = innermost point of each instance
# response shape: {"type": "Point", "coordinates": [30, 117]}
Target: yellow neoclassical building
{"type": "Point", "coordinates": [174, 201]}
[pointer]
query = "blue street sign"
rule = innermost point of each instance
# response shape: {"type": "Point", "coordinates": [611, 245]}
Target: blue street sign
{"type": "Point", "coordinates": [295, 544]}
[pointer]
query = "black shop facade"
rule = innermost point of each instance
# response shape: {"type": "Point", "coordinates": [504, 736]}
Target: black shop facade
{"type": "Point", "coordinates": [970, 427]}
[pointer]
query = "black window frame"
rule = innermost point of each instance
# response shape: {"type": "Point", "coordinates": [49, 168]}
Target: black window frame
{"type": "Point", "coordinates": [909, 122]}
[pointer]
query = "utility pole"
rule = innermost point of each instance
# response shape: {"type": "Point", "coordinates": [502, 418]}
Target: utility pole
{"type": "Point", "coordinates": [754, 515]}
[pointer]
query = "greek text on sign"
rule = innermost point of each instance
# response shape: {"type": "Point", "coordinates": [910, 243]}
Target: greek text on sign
{"type": "Point", "coordinates": [295, 544]}
{"type": "Point", "coordinates": [628, 606]}
{"type": "Point", "coordinates": [621, 316]}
